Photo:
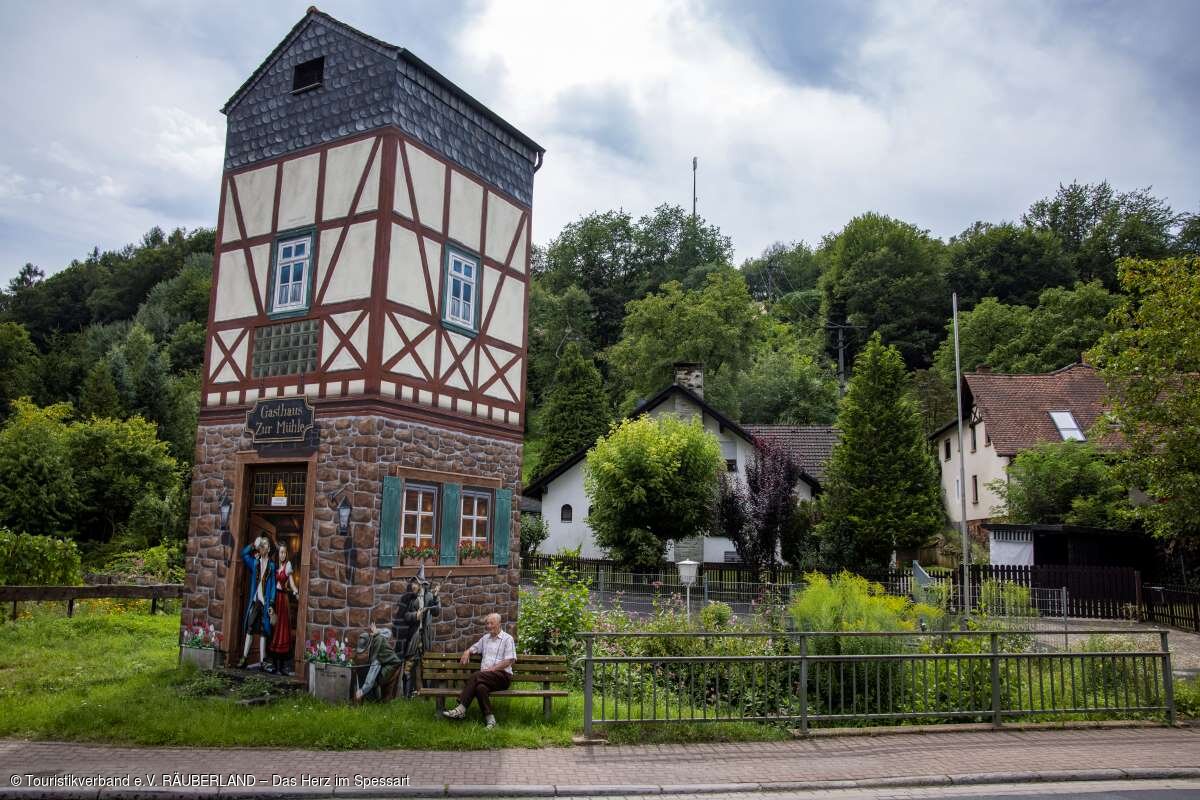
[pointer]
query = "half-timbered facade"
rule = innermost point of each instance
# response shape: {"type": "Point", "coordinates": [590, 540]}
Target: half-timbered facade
{"type": "Point", "coordinates": [366, 348]}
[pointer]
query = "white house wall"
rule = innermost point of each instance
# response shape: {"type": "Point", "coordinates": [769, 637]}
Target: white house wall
{"type": "Point", "coordinates": [983, 463]}
{"type": "Point", "coordinates": [568, 488]}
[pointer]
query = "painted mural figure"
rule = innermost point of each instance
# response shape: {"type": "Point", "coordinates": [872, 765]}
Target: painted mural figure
{"type": "Point", "coordinates": [283, 639]}
{"type": "Point", "coordinates": [382, 665]}
{"type": "Point", "coordinates": [414, 628]}
{"type": "Point", "coordinates": [256, 621]}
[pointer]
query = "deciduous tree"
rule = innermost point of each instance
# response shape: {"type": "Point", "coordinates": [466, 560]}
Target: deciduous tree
{"type": "Point", "coordinates": [576, 412]}
{"type": "Point", "coordinates": [1150, 360]}
{"type": "Point", "coordinates": [757, 514]}
{"type": "Point", "coordinates": [651, 480]}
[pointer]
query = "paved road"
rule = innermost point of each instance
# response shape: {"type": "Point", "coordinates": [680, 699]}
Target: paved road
{"type": "Point", "coordinates": [931, 757]}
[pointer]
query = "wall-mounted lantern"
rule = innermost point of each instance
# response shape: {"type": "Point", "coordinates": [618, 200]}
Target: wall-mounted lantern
{"type": "Point", "coordinates": [225, 507]}
{"type": "Point", "coordinates": [343, 515]}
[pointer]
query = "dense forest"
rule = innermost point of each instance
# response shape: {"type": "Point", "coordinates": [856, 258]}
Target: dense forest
{"type": "Point", "coordinates": [100, 360]}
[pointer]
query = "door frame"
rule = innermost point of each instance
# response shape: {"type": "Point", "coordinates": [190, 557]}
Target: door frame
{"type": "Point", "coordinates": [243, 488]}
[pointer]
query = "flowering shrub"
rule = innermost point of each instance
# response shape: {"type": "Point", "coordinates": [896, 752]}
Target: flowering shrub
{"type": "Point", "coordinates": [200, 636]}
{"type": "Point", "coordinates": [554, 613]}
{"type": "Point", "coordinates": [330, 651]}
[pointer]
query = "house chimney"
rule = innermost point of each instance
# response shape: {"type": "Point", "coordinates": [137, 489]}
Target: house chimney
{"type": "Point", "coordinates": [983, 368]}
{"type": "Point", "coordinates": [690, 375]}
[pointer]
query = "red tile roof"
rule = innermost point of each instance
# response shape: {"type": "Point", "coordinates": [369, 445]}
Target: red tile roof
{"type": "Point", "coordinates": [1016, 408]}
{"type": "Point", "coordinates": [809, 445]}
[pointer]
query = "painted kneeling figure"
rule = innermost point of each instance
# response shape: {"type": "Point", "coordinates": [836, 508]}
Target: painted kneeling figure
{"type": "Point", "coordinates": [383, 665]}
{"type": "Point", "coordinates": [498, 653]}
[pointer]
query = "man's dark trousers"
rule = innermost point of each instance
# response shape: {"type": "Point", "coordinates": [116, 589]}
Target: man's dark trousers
{"type": "Point", "coordinates": [481, 685]}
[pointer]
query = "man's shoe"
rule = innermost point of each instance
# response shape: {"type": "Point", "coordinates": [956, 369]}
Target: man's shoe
{"type": "Point", "coordinates": [491, 722]}
{"type": "Point", "coordinates": [458, 712]}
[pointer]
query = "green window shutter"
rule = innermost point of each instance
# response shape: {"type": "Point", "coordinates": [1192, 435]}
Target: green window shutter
{"type": "Point", "coordinates": [451, 522]}
{"type": "Point", "coordinates": [389, 520]}
{"type": "Point", "coordinates": [502, 523]}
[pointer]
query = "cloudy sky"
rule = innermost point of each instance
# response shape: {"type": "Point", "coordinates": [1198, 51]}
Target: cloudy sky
{"type": "Point", "coordinates": [803, 113]}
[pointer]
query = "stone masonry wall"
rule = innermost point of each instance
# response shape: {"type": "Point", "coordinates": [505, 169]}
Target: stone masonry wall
{"type": "Point", "coordinates": [355, 452]}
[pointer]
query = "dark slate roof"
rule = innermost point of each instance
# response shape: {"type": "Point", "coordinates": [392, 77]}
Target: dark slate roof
{"type": "Point", "coordinates": [538, 487]}
{"type": "Point", "coordinates": [370, 84]}
{"type": "Point", "coordinates": [1016, 408]}
{"type": "Point", "coordinates": [810, 446]}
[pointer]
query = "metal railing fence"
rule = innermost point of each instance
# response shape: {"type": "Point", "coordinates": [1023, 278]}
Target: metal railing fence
{"type": "Point", "coordinates": [852, 677]}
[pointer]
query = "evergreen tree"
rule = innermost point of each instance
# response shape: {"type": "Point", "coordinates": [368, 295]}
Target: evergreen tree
{"type": "Point", "coordinates": [98, 397]}
{"type": "Point", "coordinates": [882, 490]}
{"type": "Point", "coordinates": [576, 412]}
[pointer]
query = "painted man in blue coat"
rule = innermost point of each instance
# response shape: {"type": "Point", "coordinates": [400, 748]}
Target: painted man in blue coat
{"type": "Point", "coordinates": [260, 598]}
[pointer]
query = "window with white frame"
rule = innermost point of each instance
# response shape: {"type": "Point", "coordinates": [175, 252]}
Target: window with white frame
{"type": "Point", "coordinates": [1068, 428]}
{"type": "Point", "coordinates": [476, 514]}
{"type": "Point", "coordinates": [462, 280]}
{"type": "Point", "coordinates": [417, 527]}
{"type": "Point", "coordinates": [292, 260]}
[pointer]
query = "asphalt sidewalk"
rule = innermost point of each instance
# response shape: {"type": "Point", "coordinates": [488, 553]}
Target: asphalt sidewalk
{"type": "Point", "coordinates": [52, 769]}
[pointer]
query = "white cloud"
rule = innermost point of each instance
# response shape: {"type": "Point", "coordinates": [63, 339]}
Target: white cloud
{"type": "Point", "coordinates": [954, 113]}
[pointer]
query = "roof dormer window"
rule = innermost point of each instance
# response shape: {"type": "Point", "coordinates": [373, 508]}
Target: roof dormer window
{"type": "Point", "coordinates": [308, 75]}
{"type": "Point", "coordinates": [1068, 428]}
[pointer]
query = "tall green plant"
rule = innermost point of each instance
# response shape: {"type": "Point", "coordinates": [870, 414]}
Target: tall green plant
{"type": "Point", "coordinates": [554, 613]}
{"type": "Point", "coordinates": [882, 490]}
{"type": "Point", "coordinates": [576, 412]}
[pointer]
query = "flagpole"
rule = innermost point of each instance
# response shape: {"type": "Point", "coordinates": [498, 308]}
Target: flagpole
{"type": "Point", "coordinates": [962, 470]}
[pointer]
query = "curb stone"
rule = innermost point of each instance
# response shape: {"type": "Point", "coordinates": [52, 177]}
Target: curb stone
{"type": "Point", "coordinates": [578, 790]}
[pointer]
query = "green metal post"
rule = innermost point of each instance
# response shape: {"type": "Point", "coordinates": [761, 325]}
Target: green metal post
{"type": "Point", "coordinates": [995, 680]}
{"type": "Point", "coordinates": [1168, 679]}
{"type": "Point", "coordinates": [587, 688]}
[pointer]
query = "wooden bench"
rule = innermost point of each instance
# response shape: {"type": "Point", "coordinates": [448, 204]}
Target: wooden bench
{"type": "Point", "coordinates": [442, 676]}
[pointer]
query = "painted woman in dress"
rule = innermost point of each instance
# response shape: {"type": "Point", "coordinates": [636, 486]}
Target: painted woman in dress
{"type": "Point", "coordinates": [283, 639]}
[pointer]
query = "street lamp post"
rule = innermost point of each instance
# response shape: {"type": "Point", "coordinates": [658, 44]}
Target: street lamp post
{"type": "Point", "coordinates": [687, 576]}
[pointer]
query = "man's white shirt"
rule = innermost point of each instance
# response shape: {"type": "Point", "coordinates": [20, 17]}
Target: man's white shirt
{"type": "Point", "coordinates": [495, 649]}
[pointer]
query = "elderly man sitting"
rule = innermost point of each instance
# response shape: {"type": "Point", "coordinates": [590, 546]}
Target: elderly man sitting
{"type": "Point", "coordinates": [498, 653]}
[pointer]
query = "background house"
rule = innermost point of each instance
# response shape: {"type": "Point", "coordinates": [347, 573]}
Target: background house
{"type": "Point", "coordinates": [565, 505]}
{"type": "Point", "coordinates": [1003, 415]}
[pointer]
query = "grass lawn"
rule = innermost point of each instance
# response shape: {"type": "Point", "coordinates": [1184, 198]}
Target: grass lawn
{"type": "Point", "coordinates": [110, 674]}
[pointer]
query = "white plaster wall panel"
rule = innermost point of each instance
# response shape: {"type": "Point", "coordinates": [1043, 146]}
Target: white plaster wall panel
{"type": "Point", "coordinates": [486, 371]}
{"type": "Point", "coordinates": [312, 390]}
{"type": "Point", "coordinates": [454, 379]}
{"type": "Point", "coordinates": [498, 414]}
{"type": "Point", "coordinates": [466, 210]}
{"type": "Point", "coordinates": [234, 297]}
{"type": "Point", "coordinates": [518, 259]}
{"type": "Point", "coordinates": [251, 395]}
{"type": "Point", "coordinates": [487, 290]}
{"type": "Point", "coordinates": [406, 276]}
{"type": "Point", "coordinates": [508, 320]}
{"type": "Point", "coordinates": [369, 199]}
{"type": "Point", "coordinates": [408, 366]}
{"type": "Point", "coordinates": [424, 397]}
{"type": "Point", "coordinates": [483, 410]}
{"type": "Point", "coordinates": [567, 489]}
{"type": "Point", "coordinates": [514, 418]}
{"type": "Point", "coordinates": [261, 256]}
{"type": "Point", "coordinates": [343, 170]}
{"type": "Point", "coordinates": [298, 192]}
{"type": "Point", "coordinates": [392, 343]}
{"type": "Point", "coordinates": [239, 352]}
{"type": "Point", "coordinates": [513, 376]}
{"type": "Point", "coordinates": [444, 401]}
{"type": "Point", "coordinates": [429, 186]}
{"type": "Point", "coordinates": [342, 362]}
{"type": "Point", "coordinates": [359, 338]}
{"type": "Point", "coordinates": [433, 261]}
{"type": "Point", "coordinates": [212, 399]}
{"type": "Point", "coordinates": [351, 279]}
{"type": "Point", "coordinates": [502, 220]}
{"type": "Point", "coordinates": [401, 203]}
{"type": "Point", "coordinates": [325, 248]}
{"type": "Point", "coordinates": [356, 387]}
{"type": "Point", "coordinates": [256, 196]}
{"type": "Point", "coordinates": [229, 226]}
{"type": "Point", "coordinates": [426, 349]}
{"type": "Point", "coordinates": [291, 391]}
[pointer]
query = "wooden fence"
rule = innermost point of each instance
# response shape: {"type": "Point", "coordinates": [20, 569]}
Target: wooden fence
{"type": "Point", "coordinates": [1173, 606]}
{"type": "Point", "coordinates": [154, 593]}
{"type": "Point", "coordinates": [1093, 592]}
